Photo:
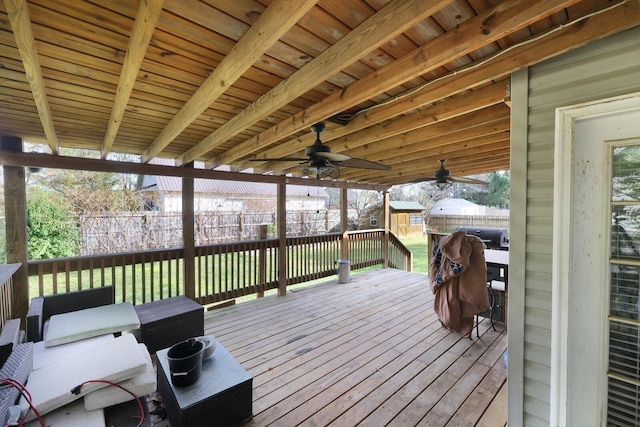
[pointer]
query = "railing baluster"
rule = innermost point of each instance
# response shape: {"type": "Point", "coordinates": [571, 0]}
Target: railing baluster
{"type": "Point", "coordinates": [225, 270]}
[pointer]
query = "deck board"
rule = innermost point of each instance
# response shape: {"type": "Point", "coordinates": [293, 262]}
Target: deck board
{"type": "Point", "coordinates": [370, 352]}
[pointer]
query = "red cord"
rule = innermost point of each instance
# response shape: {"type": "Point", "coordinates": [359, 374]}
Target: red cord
{"type": "Point", "coordinates": [76, 390]}
{"type": "Point", "coordinates": [25, 393]}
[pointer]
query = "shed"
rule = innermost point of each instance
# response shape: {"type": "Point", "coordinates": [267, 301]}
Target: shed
{"type": "Point", "coordinates": [406, 218]}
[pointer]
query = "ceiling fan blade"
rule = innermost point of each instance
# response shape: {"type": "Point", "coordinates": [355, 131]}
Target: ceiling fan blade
{"type": "Point", "coordinates": [467, 180]}
{"type": "Point", "coordinates": [419, 180]}
{"type": "Point", "coordinates": [336, 172]}
{"type": "Point", "coordinates": [332, 157]}
{"type": "Point", "coordinates": [363, 164]}
{"type": "Point", "coordinates": [451, 179]}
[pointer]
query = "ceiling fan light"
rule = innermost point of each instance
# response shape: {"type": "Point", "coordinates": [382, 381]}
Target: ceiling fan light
{"type": "Point", "coordinates": [318, 172]}
{"type": "Point", "coordinates": [441, 185]}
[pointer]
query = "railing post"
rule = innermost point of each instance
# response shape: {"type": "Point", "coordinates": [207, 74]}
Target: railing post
{"type": "Point", "coordinates": [282, 238]}
{"type": "Point", "coordinates": [385, 241]}
{"type": "Point", "coordinates": [188, 237]}
{"type": "Point", "coordinates": [262, 261]}
{"type": "Point", "coordinates": [344, 224]}
{"type": "Point", "coordinates": [15, 207]}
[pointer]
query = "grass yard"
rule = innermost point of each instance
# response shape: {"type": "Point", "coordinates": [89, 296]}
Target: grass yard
{"type": "Point", "coordinates": [214, 266]}
{"type": "Point", "coordinates": [418, 247]}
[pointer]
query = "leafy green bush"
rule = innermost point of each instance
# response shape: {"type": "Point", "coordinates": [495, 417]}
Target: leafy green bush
{"type": "Point", "coordinates": [52, 230]}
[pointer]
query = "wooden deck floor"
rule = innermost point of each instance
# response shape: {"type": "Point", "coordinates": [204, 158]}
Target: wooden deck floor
{"type": "Point", "coordinates": [370, 352]}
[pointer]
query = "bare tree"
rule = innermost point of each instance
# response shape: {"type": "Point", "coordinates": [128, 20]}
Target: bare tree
{"type": "Point", "coordinates": [362, 202]}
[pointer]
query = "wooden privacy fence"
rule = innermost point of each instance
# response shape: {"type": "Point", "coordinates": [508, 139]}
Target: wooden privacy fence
{"type": "Point", "coordinates": [222, 271]}
{"type": "Point", "coordinates": [448, 223]}
{"type": "Point", "coordinates": [113, 232]}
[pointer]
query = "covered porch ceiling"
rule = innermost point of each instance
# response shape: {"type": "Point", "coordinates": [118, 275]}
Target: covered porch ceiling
{"type": "Point", "coordinates": [404, 83]}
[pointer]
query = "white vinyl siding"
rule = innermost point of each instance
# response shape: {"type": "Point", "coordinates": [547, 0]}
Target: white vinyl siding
{"type": "Point", "coordinates": [602, 69]}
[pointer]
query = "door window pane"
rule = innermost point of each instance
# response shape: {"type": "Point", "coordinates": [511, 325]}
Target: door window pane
{"type": "Point", "coordinates": [623, 402]}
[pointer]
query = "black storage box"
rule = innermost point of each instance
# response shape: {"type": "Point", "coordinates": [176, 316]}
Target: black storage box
{"type": "Point", "coordinates": [166, 322]}
{"type": "Point", "coordinates": [222, 396]}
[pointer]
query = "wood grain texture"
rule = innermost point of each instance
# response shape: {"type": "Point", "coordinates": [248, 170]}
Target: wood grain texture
{"type": "Point", "coordinates": [370, 352]}
{"type": "Point", "coordinates": [71, 78]}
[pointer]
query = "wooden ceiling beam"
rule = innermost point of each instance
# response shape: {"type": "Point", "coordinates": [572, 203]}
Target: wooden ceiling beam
{"type": "Point", "coordinates": [493, 119]}
{"type": "Point", "coordinates": [485, 28]}
{"type": "Point", "coordinates": [274, 22]}
{"type": "Point", "coordinates": [389, 22]}
{"type": "Point", "coordinates": [458, 106]}
{"type": "Point", "coordinates": [18, 13]}
{"type": "Point", "coordinates": [467, 167]}
{"type": "Point", "coordinates": [41, 160]}
{"type": "Point", "coordinates": [478, 148]}
{"type": "Point", "coordinates": [444, 147]}
{"type": "Point", "coordinates": [464, 105]}
{"type": "Point", "coordinates": [143, 28]}
{"type": "Point", "coordinates": [544, 46]}
{"type": "Point", "coordinates": [414, 163]}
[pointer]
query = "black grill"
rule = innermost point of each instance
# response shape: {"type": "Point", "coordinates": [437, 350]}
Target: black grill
{"type": "Point", "coordinates": [493, 238]}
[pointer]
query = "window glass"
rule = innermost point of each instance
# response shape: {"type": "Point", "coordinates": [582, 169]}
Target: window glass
{"type": "Point", "coordinates": [623, 402]}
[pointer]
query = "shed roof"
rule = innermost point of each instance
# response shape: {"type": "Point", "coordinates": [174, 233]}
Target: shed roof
{"type": "Point", "coordinates": [453, 206]}
{"type": "Point", "coordinates": [398, 205]}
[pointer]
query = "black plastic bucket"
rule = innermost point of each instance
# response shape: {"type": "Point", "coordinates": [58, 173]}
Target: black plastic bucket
{"type": "Point", "coordinates": [185, 362]}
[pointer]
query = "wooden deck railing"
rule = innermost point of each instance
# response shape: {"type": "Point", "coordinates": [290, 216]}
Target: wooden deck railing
{"type": "Point", "coordinates": [312, 257]}
{"type": "Point", "coordinates": [222, 271]}
{"type": "Point", "coordinates": [400, 257]}
{"type": "Point", "coordinates": [6, 291]}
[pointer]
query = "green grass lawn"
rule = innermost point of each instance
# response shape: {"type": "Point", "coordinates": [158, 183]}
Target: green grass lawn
{"type": "Point", "coordinates": [418, 247]}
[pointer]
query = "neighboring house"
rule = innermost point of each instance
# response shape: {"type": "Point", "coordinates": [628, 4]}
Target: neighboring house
{"type": "Point", "coordinates": [451, 206]}
{"type": "Point", "coordinates": [406, 218]}
{"type": "Point", "coordinates": [211, 195]}
{"type": "Point", "coordinates": [568, 363]}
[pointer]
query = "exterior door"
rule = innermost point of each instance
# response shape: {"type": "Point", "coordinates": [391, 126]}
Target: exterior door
{"type": "Point", "coordinates": [586, 311]}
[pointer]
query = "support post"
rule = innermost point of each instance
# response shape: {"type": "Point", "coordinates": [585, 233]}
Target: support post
{"type": "Point", "coordinates": [282, 239]}
{"type": "Point", "coordinates": [386, 214]}
{"type": "Point", "coordinates": [188, 238]}
{"type": "Point", "coordinates": [262, 261]}
{"type": "Point", "coordinates": [15, 206]}
{"type": "Point", "coordinates": [344, 224]}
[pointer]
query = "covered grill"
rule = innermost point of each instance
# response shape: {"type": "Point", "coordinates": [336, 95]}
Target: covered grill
{"type": "Point", "coordinates": [493, 238]}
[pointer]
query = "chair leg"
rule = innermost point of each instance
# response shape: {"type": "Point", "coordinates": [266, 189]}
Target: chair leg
{"type": "Point", "coordinates": [492, 298]}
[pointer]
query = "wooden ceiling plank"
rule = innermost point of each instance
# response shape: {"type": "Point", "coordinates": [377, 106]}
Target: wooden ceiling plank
{"type": "Point", "coordinates": [542, 47]}
{"type": "Point", "coordinates": [18, 13]}
{"type": "Point", "coordinates": [469, 36]}
{"type": "Point", "coordinates": [489, 121]}
{"type": "Point", "coordinates": [463, 124]}
{"type": "Point", "coordinates": [391, 21]}
{"type": "Point", "coordinates": [427, 139]}
{"type": "Point", "coordinates": [449, 148]}
{"type": "Point", "coordinates": [497, 67]}
{"type": "Point", "coordinates": [143, 28]}
{"type": "Point", "coordinates": [461, 105]}
{"type": "Point", "coordinates": [498, 160]}
{"type": "Point", "coordinates": [272, 24]}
